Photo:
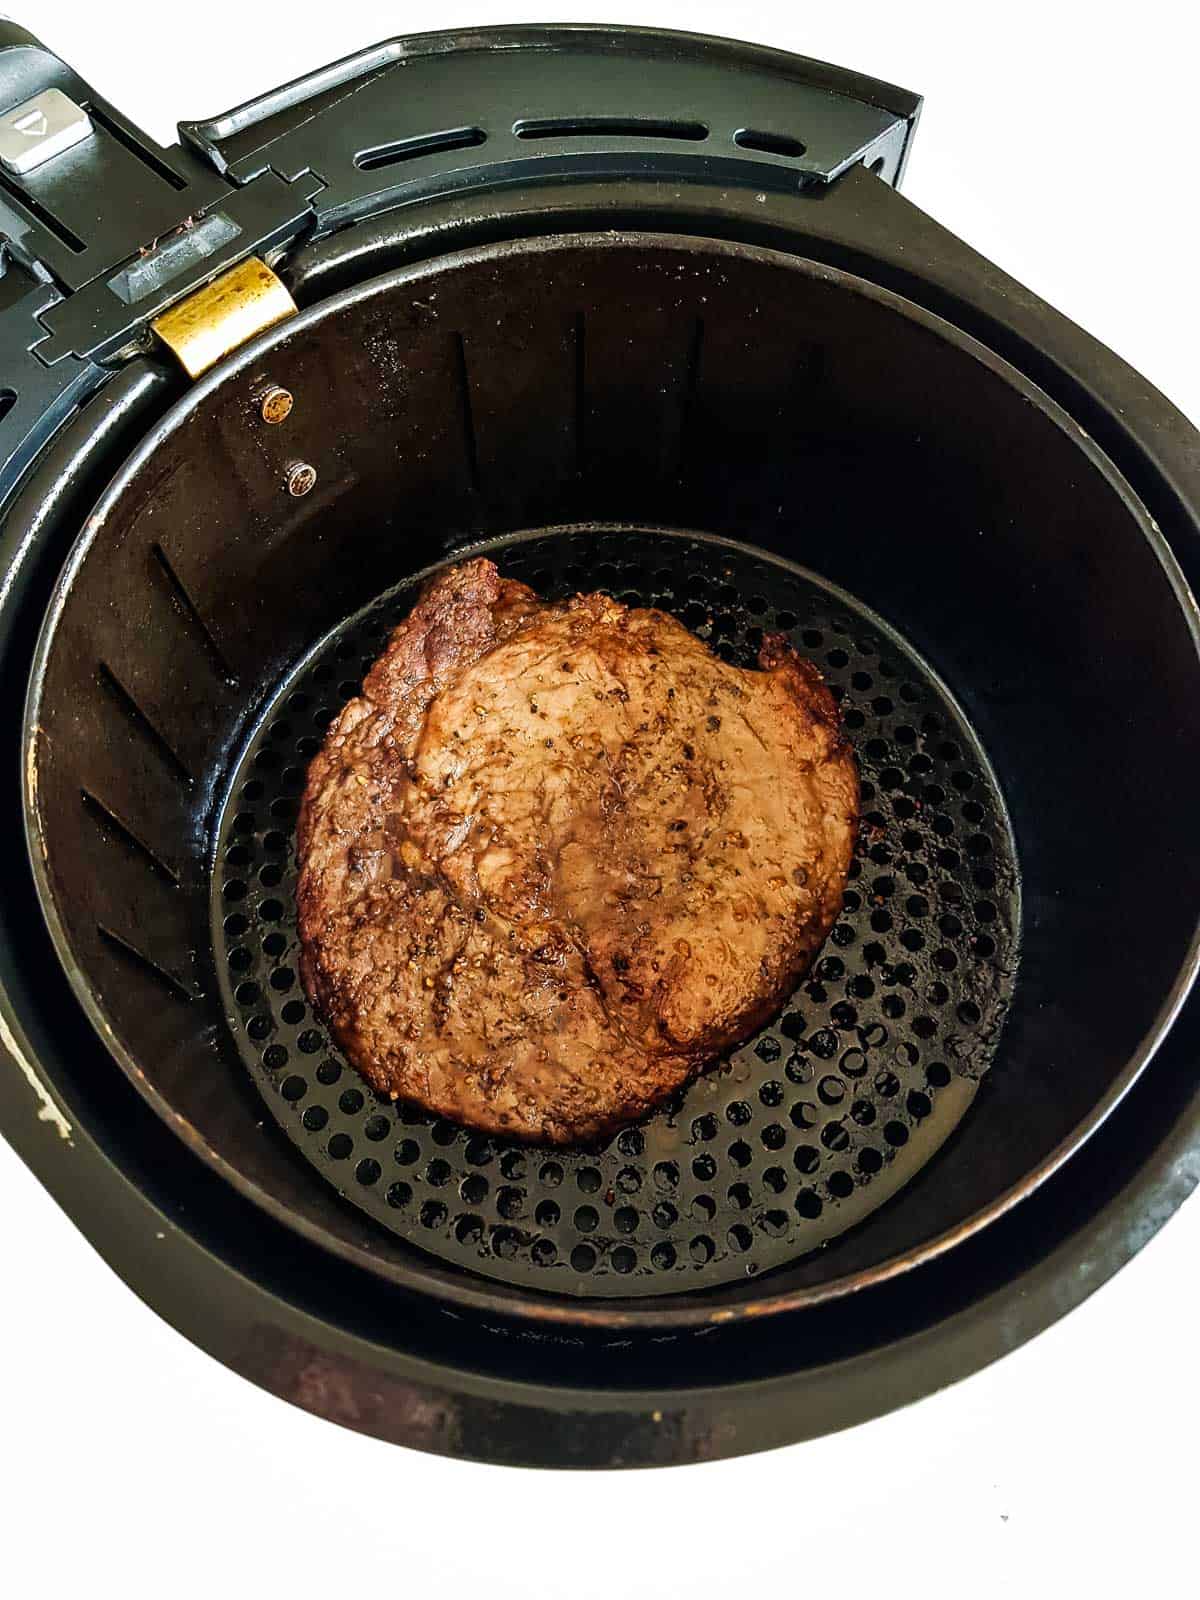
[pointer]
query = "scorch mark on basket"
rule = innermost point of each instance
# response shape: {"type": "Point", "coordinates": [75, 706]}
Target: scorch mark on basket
{"type": "Point", "coordinates": [47, 1109]}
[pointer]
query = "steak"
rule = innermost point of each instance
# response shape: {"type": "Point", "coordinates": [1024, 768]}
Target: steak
{"type": "Point", "coordinates": [556, 858]}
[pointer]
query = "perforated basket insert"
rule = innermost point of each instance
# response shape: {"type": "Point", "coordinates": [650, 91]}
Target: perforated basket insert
{"type": "Point", "coordinates": [807, 1127]}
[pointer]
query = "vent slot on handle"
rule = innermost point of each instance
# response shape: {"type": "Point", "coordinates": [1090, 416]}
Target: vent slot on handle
{"type": "Point", "coordinates": [610, 127]}
{"type": "Point", "coordinates": [770, 144]}
{"type": "Point", "coordinates": [421, 144]}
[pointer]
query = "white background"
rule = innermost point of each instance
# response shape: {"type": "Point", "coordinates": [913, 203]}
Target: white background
{"type": "Point", "coordinates": [1059, 138]}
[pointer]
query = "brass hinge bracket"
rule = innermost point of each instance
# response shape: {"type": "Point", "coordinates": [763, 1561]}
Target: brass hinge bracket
{"type": "Point", "coordinates": [222, 316]}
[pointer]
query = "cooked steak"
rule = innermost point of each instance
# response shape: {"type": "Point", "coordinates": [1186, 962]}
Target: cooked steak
{"type": "Point", "coordinates": [555, 858]}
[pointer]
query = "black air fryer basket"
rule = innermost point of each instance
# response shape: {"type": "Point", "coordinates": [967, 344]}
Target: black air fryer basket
{"type": "Point", "coordinates": [631, 311]}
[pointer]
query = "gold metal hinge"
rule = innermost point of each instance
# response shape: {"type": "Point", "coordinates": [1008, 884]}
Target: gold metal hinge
{"type": "Point", "coordinates": [224, 314]}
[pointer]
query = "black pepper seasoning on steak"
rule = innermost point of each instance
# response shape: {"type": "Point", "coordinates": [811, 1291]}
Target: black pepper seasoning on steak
{"type": "Point", "coordinates": [556, 858]}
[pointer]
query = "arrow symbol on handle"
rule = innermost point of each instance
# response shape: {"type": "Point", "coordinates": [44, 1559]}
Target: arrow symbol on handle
{"type": "Point", "coordinates": [33, 124]}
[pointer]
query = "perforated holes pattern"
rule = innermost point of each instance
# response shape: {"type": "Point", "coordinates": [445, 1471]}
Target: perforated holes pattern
{"type": "Point", "coordinates": [810, 1125]}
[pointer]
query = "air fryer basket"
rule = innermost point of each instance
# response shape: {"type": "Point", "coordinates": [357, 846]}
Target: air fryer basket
{"type": "Point", "coordinates": [814, 1121]}
{"type": "Point", "coordinates": [636, 380]}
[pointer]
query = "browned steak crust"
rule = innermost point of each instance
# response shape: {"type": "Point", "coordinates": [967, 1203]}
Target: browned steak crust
{"type": "Point", "coordinates": [557, 857]}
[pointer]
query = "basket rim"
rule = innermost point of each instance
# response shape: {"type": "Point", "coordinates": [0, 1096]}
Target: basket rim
{"type": "Point", "coordinates": [423, 1274]}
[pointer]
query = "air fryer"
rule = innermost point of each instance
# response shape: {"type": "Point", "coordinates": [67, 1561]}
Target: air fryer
{"type": "Point", "coordinates": [655, 322]}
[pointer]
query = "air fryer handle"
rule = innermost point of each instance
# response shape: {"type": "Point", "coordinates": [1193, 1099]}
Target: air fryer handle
{"type": "Point", "coordinates": [555, 96]}
{"type": "Point", "coordinates": [34, 398]}
{"type": "Point", "coordinates": [96, 239]}
{"type": "Point", "coordinates": [28, 231]}
{"type": "Point", "coordinates": [86, 208]}
{"type": "Point", "coordinates": [291, 100]}
{"type": "Point", "coordinates": [102, 237]}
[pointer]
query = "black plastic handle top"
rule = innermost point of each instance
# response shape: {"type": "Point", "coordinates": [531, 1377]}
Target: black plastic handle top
{"type": "Point", "coordinates": [71, 226]}
{"type": "Point", "coordinates": [639, 71]}
{"type": "Point", "coordinates": [567, 94]}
